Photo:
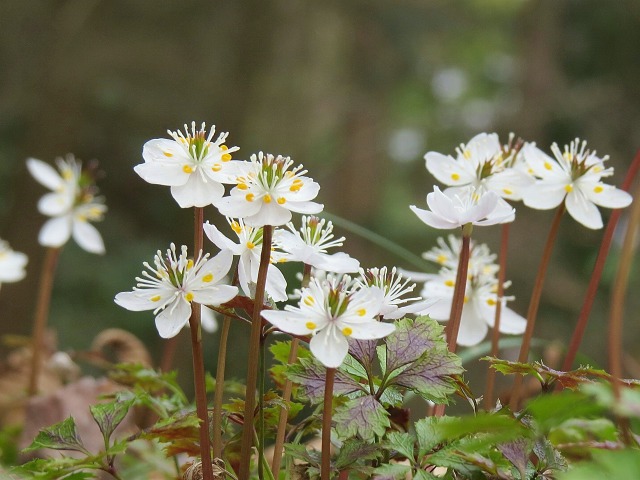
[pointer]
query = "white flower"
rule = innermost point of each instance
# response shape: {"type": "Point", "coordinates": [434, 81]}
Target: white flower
{"type": "Point", "coordinates": [175, 282]}
{"type": "Point", "coordinates": [11, 264]}
{"type": "Point", "coordinates": [72, 205]}
{"type": "Point", "coordinates": [478, 313]}
{"type": "Point", "coordinates": [484, 164]}
{"type": "Point", "coordinates": [456, 209]}
{"type": "Point", "coordinates": [575, 178]}
{"type": "Point", "coordinates": [267, 191]}
{"type": "Point", "coordinates": [309, 245]}
{"type": "Point", "coordinates": [393, 287]}
{"type": "Point", "coordinates": [193, 164]}
{"type": "Point", "coordinates": [331, 312]}
{"type": "Point", "coordinates": [249, 249]}
{"type": "Point", "coordinates": [481, 260]}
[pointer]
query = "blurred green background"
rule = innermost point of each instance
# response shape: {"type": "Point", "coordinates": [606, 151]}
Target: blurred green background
{"type": "Point", "coordinates": [355, 90]}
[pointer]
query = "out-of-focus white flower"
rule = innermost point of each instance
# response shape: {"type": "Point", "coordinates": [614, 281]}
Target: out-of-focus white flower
{"type": "Point", "coordinates": [72, 204]}
{"type": "Point", "coordinates": [176, 281]}
{"type": "Point", "coordinates": [575, 177]}
{"type": "Point", "coordinates": [309, 245]}
{"type": "Point", "coordinates": [484, 164]}
{"type": "Point", "coordinates": [332, 311]}
{"type": "Point", "coordinates": [249, 249]}
{"type": "Point", "coordinates": [393, 287]}
{"type": "Point", "coordinates": [12, 264]}
{"type": "Point", "coordinates": [193, 164]}
{"type": "Point", "coordinates": [268, 190]}
{"type": "Point", "coordinates": [466, 206]}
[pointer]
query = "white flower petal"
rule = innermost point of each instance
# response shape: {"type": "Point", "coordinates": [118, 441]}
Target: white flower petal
{"type": "Point", "coordinates": [543, 195]}
{"type": "Point", "coordinates": [583, 210]}
{"type": "Point", "coordinates": [88, 237]}
{"type": "Point", "coordinates": [370, 330]}
{"type": "Point", "coordinates": [304, 207]}
{"type": "Point", "coordinates": [287, 321]}
{"type": "Point", "coordinates": [173, 318]}
{"type": "Point", "coordinates": [447, 170]}
{"type": "Point", "coordinates": [54, 204]}
{"type": "Point", "coordinates": [432, 219]}
{"type": "Point", "coordinates": [330, 347]}
{"type": "Point", "coordinates": [137, 301]}
{"type": "Point", "coordinates": [473, 328]}
{"type": "Point", "coordinates": [45, 174]}
{"type": "Point", "coordinates": [196, 192]}
{"type": "Point", "coordinates": [216, 295]}
{"type": "Point", "coordinates": [218, 239]}
{"type": "Point", "coordinates": [269, 214]}
{"type": "Point", "coordinates": [166, 173]}
{"type": "Point", "coordinates": [607, 196]}
{"type": "Point", "coordinates": [236, 205]}
{"type": "Point", "coordinates": [55, 232]}
{"type": "Point", "coordinates": [276, 285]}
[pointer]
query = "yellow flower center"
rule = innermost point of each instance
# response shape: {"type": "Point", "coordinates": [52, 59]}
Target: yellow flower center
{"type": "Point", "coordinates": [208, 278]}
{"type": "Point", "coordinates": [189, 297]}
{"type": "Point", "coordinates": [346, 331]}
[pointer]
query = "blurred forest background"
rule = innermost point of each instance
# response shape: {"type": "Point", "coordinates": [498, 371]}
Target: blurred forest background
{"type": "Point", "coordinates": [356, 90]}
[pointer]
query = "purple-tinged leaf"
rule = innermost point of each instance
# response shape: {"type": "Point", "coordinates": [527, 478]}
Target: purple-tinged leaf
{"type": "Point", "coordinates": [363, 416]}
{"type": "Point", "coordinates": [411, 339]}
{"type": "Point", "coordinates": [311, 376]}
{"type": "Point", "coordinates": [364, 351]}
{"type": "Point", "coordinates": [517, 452]}
{"type": "Point", "coordinates": [430, 375]}
{"type": "Point", "coordinates": [353, 451]}
{"type": "Point", "coordinates": [61, 436]}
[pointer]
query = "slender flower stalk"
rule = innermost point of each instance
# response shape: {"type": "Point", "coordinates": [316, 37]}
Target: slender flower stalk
{"type": "Point", "coordinates": [219, 393]}
{"type": "Point", "coordinates": [198, 360]}
{"type": "Point", "coordinates": [619, 292]}
{"type": "Point", "coordinates": [42, 313]}
{"type": "Point", "coordinates": [495, 337]}
{"type": "Point", "coordinates": [325, 465]}
{"type": "Point", "coordinates": [254, 352]}
{"type": "Point", "coordinates": [594, 281]}
{"type": "Point", "coordinates": [534, 303]}
{"type": "Point", "coordinates": [453, 326]}
{"type": "Point", "coordinates": [286, 392]}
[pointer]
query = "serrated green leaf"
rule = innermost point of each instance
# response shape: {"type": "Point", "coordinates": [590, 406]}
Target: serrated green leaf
{"type": "Point", "coordinates": [353, 368]}
{"type": "Point", "coordinates": [403, 443]}
{"type": "Point", "coordinates": [109, 415]}
{"type": "Point", "coordinates": [300, 452]}
{"type": "Point", "coordinates": [411, 339]}
{"type": "Point", "coordinates": [551, 410]}
{"type": "Point", "coordinates": [607, 464]}
{"type": "Point", "coordinates": [61, 436]}
{"type": "Point", "coordinates": [353, 451]}
{"type": "Point", "coordinates": [311, 376]}
{"type": "Point", "coordinates": [362, 416]}
{"type": "Point", "coordinates": [430, 375]}
{"type": "Point", "coordinates": [391, 472]}
{"type": "Point", "coordinates": [430, 433]}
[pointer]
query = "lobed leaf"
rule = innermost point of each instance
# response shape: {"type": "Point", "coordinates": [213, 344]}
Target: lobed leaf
{"type": "Point", "coordinates": [61, 436]}
{"type": "Point", "coordinates": [311, 376]}
{"type": "Point", "coordinates": [109, 415]}
{"type": "Point", "coordinates": [411, 339]}
{"type": "Point", "coordinates": [363, 416]}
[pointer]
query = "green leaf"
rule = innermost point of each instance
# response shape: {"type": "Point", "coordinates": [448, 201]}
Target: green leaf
{"type": "Point", "coordinates": [403, 443]}
{"type": "Point", "coordinates": [551, 410]}
{"type": "Point", "coordinates": [430, 375]}
{"type": "Point", "coordinates": [606, 464]}
{"type": "Point", "coordinates": [109, 415]}
{"type": "Point", "coordinates": [61, 436]}
{"type": "Point", "coordinates": [363, 416]}
{"type": "Point", "coordinates": [411, 339]}
{"type": "Point", "coordinates": [353, 451]}
{"type": "Point", "coordinates": [311, 376]}
{"type": "Point", "coordinates": [300, 452]}
{"type": "Point", "coordinates": [430, 433]}
{"type": "Point", "coordinates": [392, 472]}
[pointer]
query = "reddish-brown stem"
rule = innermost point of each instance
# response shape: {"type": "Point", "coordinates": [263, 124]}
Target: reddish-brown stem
{"type": "Point", "coordinates": [457, 304]}
{"type": "Point", "coordinates": [325, 465]}
{"type": "Point", "coordinates": [254, 356]}
{"type": "Point", "coordinates": [198, 360]}
{"type": "Point", "coordinates": [42, 313]}
{"type": "Point", "coordinates": [168, 353]}
{"type": "Point", "coordinates": [592, 289]}
{"type": "Point", "coordinates": [618, 294]}
{"type": "Point", "coordinates": [219, 393]}
{"type": "Point", "coordinates": [286, 393]}
{"type": "Point", "coordinates": [534, 303]}
{"type": "Point", "coordinates": [495, 335]}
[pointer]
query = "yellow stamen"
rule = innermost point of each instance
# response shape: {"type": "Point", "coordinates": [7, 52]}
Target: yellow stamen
{"type": "Point", "coordinates": [216, 167]}
{"type": "Point", "coordinates": [466, 299]}
{"type": "Point", "coordinates": [189, 264]}
{"type": "Point", "coordinates": [187, 169]}
{"type": "Point", "coordinates": [346, 331]}
{"type": "Point", "coordinates": [309, 300]}
{"type": "Point", "coordinates": [507, 191]}
{"type": "Point", "coordinates": [548, 166]}
{"type": "Point", "coordinates": [296, 185]}
{"type": "Point", "coordinates": [491, 302]}
{"type": "Point", "coordinates": [568, 188]}
{"type": "Point", "coordinates": [310, 325]}
{"type": "Point", "coordinates": [467, 154]}
{"type": "Point", "coordinates": [168, 154]}
{"type": "Point", "coordinates": [235, 226]}
{"type": "Point", "coordinates": [226, 157]}
{"type": "Point", "coordinates": [597, 189]}
{"type": "Point", "coordinates": [208, 278]}
{"type": "Point", "coordinates": [242, 186]}
{"type": "Point", "coordinates": [266, 198]}
{"type": "Point", "coordinates": [155, 298]}
{"type": "Point", "coordinates": [250, 245]}
{"type": "Point", "coordinates": [455, 177]}
{"type": "Point", "coordinates": [250, 197]}
{"type": "Point", "coordinates": [362, 312]}
{"type": "Point", "coordinates": [189, 297]}
{"type": "Point", "coordinates": [281, 200]}
{"type": "Point", "coordinates": [442, 259]}
{"type": "Point", "coordinates": [449, 283]}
